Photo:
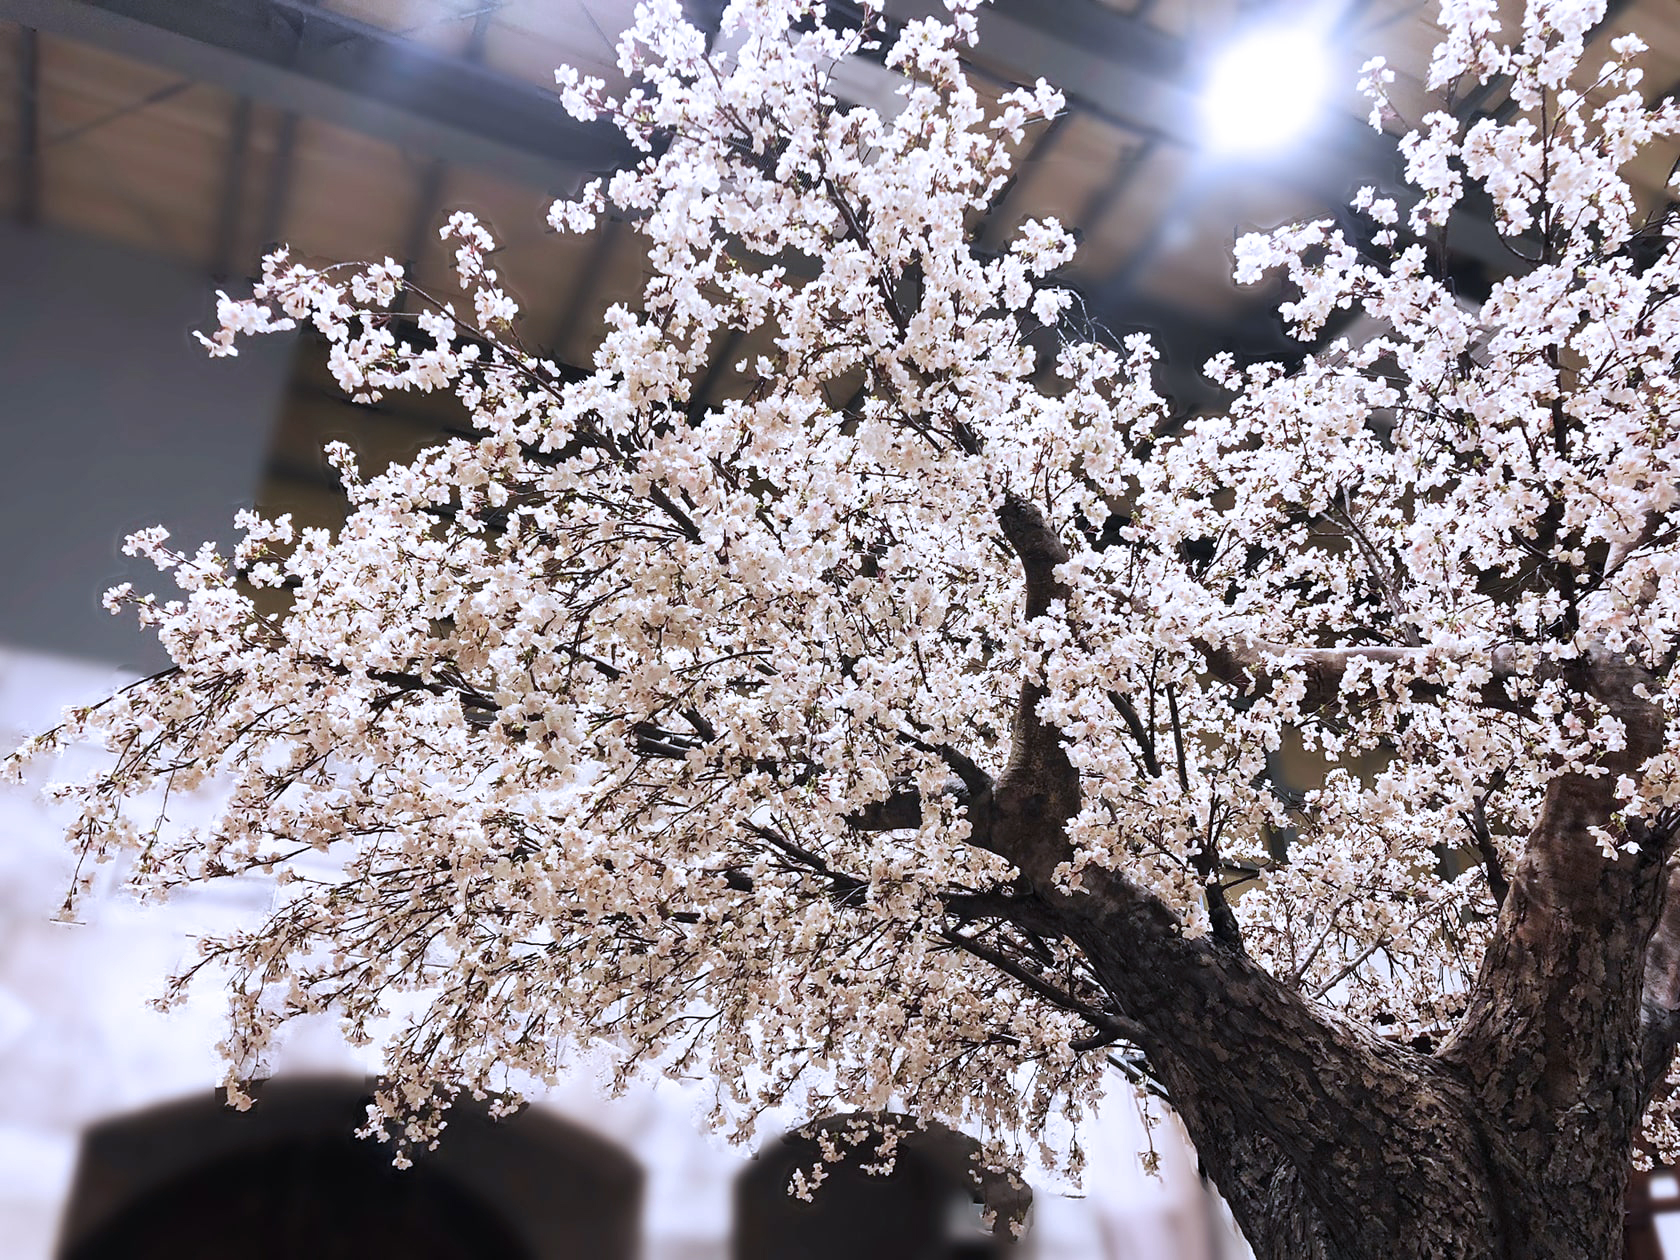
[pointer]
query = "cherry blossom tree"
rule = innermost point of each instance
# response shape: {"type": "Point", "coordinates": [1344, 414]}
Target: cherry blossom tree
{"type": "Point", "coordinates": [901, 734]}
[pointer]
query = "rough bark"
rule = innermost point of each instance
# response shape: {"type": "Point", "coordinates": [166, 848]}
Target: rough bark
{"type": "Point", "coordinates": [1660, 1001]}
{"type": "Point", "coordinates": [1261, 1186]}
{"type": "Point", "coordinates": [1325, 1132]}
{"type": "Point", "coordinates": [1551, 1041]}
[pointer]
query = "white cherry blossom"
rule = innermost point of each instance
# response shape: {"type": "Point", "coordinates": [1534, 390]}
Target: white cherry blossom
{"type": "Point", "coordinates": [694, 733]}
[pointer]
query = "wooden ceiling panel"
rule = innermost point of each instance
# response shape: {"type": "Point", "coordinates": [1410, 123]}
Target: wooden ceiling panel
{"type": "Point", "coordinates": [1191, 255]}
{"type": "Point", "coordinates": [1069, 175]}
{"type": "Point", "coordinates": [614, 272]}
{"type": "Point", "coordinates": [12, 172]}
{"type": "Point", "coordinates": [392, 431]}
{"type": "Point", "coordinates": [130, 152]}
{"type": "Point", "coordinates": [1659, 25]}
{"type": "Point", "coordinates": [1150, 182]}
{"type": "Point", "coordinates": [538, 266]}
{"type": "Point", "coordinates": [134, 153]}
{"type": "Point", "coordinates": [350, 196]}
{"type": "Point", "coordinates": [311, 504]}
{"type": "Point", "coordinates": [1238, 206]}
{"type": "Point", "coordinates": [442, 24]}
{"type": "Point", "coordinates": [1197, 20]}
{"type": "Point", "coordinates": [1195, 282]}
{"type": "Point", "coordinates": [530, 39]}
{"type": "Point", "coordinates": [82, 85]}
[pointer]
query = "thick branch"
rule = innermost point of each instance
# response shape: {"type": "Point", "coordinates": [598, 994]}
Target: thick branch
{"type": "Point", "coordinates": [1366, 1133]}
{"type": "Point", "coordinates": [1254, 665]}
{"type": "Point", "coordinates": [902, 808]}
{"type": "Point", "coordinates": [1021, 816]}
{"type": "Point", "coordinates": [900, 811]}
{"type": "Point", "coordinates": [1037, 546]}
{"type": "Point", "coordinates": [1039, 789]}
{"type": "Point", "coordinates": [1660, 1001]}
{"type": "Point", "coordinates": [1116, 1026]}
{"type": "Point", "coordinates": [1201, 1010]}
{"type": "Point", "coordinates": [1265, 1193]}
{"type": "Point", "coordinates": [1551, 1040]}
{"type": "Point", "coordinates": [1481, 835]}
{"type": "Point", "coordinates": [1198, 1007]}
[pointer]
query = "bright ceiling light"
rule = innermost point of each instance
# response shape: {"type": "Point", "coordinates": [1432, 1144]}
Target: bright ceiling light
{"type": "Point", "coordinates": [1263, 90]}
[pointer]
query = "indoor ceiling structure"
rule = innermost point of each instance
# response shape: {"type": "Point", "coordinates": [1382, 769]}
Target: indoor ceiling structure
{"type": "Point", "coordinates": [209, 130]}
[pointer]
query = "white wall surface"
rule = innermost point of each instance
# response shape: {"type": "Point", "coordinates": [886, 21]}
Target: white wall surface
{"type": "Point", "coordinates": [114, 419]}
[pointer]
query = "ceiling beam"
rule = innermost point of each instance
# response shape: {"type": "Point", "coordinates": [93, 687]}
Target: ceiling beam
{"type": "Point", "coordinates": [998, 226]}
{"type": "Point", "coordinates": [428, 194]}
{"type": "Point", "coordinates": [321, 64]}
{"type": "Point", "coordinates": [428, 204]}
{"type": "Point", "coordinates": [278, 201]}
{"type": "Point", "coordinates": [224, 254]}
{"type": "Point", "coordinates": [29, 127]}
{"type": "Point", "coordinates": [705, 16]}
{"type": "Point", "coordinates": [1119, 67]}
{"type": "Point", "coordinates": [576, 311]}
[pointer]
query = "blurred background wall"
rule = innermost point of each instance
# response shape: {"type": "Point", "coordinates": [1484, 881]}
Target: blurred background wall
{"type": "Point", "coordinates": [114, 419]}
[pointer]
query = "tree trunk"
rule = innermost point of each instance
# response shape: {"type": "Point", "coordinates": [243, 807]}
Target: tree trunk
{"type": "Point", "coordinates": [1515, 1140]}
{"type": "Point", "coordinates": [1326, 1141]}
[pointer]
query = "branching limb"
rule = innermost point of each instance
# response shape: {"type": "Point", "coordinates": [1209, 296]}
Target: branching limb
{"type": "Point", "coordinates": [1660, 1001]}
{"type": "Point", "coordinates": [1659, 1015]}
{"type": "Point", "coordinates": [1202, 1007]}
{"type": "Point", "coordinates": [1135, 1068]}
{"type": "Point", "coordinates": [848, 889]}
{"type": "Point", "coordinates": [1482, 836]}
{"type": "Point", "coordinates": [1021, 815]}
{"type": "Point", "coordinates": [1039, 789]}
{"type": "Point", "coordinates": [1107, 1023]}
{"type": "Point", "coordinates": [902, 808]}
{"type": "Point", "coordinates": [1141, 735]}
{"type": "Point", "coordinates": [1253, 665]}
{"type": "Point", "coordinates": [1551, 1039]}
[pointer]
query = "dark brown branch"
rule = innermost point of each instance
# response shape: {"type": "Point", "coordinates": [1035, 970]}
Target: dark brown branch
{"type": "Point", "coordinates": [1039, 549]}
{"type": "Point", "coordinates": [1141, 735]}
{"type": "Point", "coordinates": [1482, 835]}
{"type": "Point", "coordinates": [650, 744]}
{"type": "Point", "coordinates": [969, 906]}
{"type": "Point", "coordinates": [1551, 1042]}
{"type": "Point", "coordinates": [1660, 998]}
{"type": "Point", "coordinates": [1196, 1007]}
{"type": "Point", "coordinates": [846, 887]}
{"type": "Point", "coordinates": [1137, 1072]}
{"type": "Point", "coordinates": [684, 521]}
{"type": "Point", "coordinates": [1252, 666]}
{"type": "Point", "coordinates": [1021, 815]}
{"type": "Point", "coordinates": [900, 811]}
{"type": "Point", "coordinates": [1039, 788]}
{"type": "Point", "coordinates": [1203, 1008]}
{"type": "Point", "coordinates": [1121, 1028]}
{"type": "Point", "coordinates": [975, 781]}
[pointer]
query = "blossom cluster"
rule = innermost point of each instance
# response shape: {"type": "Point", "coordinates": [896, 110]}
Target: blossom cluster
{"type": "Point", "coordinates": [565, 735]}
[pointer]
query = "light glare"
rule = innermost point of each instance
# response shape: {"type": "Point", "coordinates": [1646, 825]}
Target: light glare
{"type": "Point", "coordinates": [1263, 91]}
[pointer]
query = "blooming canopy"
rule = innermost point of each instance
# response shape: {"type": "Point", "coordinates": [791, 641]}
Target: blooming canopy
{"type": "Point", "coordinates": [752, 739]}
